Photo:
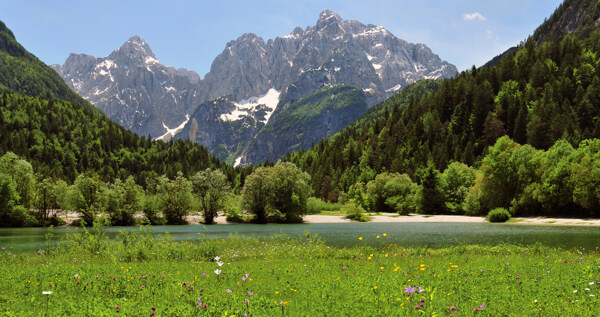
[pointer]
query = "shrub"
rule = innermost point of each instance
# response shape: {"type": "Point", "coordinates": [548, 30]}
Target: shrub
{"type": "Point", "coordinates": [233, 208]}
{"type": "Point", "coordinates": [498, 215]}
{"type": "Point", "coordinates": [355, 212]}
{"type": "Point", "coordinates": [315, 205]}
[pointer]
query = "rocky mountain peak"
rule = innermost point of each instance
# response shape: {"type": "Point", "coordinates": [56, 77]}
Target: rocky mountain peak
{"type": "Point", "coordinates": [327, 17]}
{"type": "Point", "coordinates": [135, 48]}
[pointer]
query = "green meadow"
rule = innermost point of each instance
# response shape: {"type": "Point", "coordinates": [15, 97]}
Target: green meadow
{"type": "Point", "coordinates": [139, 275]}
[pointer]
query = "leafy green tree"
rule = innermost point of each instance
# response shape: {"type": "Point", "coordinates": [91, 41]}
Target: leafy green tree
{"type": "Point", "coordinates": [11, 214]}
{"type": "Point", "coordinates": [86, 196]}
{"type": "Point", "coordinates": [456, 180]}
{"type": "Point", "coordinates": [401, 194]}
{"type": "Point", "coordinates": [291, 188]}
{"type": "Point", "coordinates": [499, 176]}
{"type": "Point", "coordinates": [45, 198]}
{"type": "Point", "coordinates": [21, 174]}
{"type": "Point", "coordinates": [123, 200]}
{"type": "Point", "coordinates": [431, 195]}
{"type": "Point", "coordinates": [175, 199]}
{"type": "Point", "coordinates": [279, 192]}
{"type": "Point", "coordinates": [212, 187]}
{"type": "Point", "coordinates": [392, 193]}
{"type": "Point", "coordinates": [256, 193]}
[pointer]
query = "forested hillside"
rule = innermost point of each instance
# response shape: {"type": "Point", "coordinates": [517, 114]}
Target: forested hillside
{"type": "Point", "coordinates": [63, 135]}
{"type": "Point", "coordinates": [537, 94]}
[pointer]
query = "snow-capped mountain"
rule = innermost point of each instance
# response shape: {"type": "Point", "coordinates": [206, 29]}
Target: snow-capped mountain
{"type": "Point", "coordinates": [346, 51]}
{"type": "Point", "coordinates": [248, 82]}
{"type": "Point", "coordinates": [133, 88]}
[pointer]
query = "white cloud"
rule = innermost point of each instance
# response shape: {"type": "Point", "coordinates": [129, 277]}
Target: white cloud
{"type": "Point", "coordinates": [473, 16]}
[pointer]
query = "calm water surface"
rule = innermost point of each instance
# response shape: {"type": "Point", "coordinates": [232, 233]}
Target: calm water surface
{"type": "Point", "coordinates": [346, 234]}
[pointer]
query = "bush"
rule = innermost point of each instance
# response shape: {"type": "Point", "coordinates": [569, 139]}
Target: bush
{"type": "Point", "coordinates": [150, 209]}
{"type": "Point", "coordinates": [233, 209]}
{"type": "Point", "coordinates": [355, 212]}
{"type": "Point", "coordinates": [498, 215]}
{"type": "Point", "coordinates": [315, 205]}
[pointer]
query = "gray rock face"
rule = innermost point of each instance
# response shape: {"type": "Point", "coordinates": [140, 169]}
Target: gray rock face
{"type": "Point", "coordinates": [250, 83]}
{"type": "Point", "coordinates": [366, 56]}
{"type": "Point", "coordinates": [133, 88]}
{"type": "Point", "coordinates": [305, 122]}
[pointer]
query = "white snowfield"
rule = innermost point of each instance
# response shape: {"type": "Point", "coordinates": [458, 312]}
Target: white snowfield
{"type": "Point", "coordinates": [247, 106]}
{"type": "Point", "coordinates": [171, 132]}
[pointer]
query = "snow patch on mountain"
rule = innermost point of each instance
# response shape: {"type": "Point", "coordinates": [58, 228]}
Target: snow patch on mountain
{"type": "Point", "coordinates": [245, 107]}
{"type": "Point", "coordinates": [171, 132]}
{"type": "Point", "coordinates": [393, 89]}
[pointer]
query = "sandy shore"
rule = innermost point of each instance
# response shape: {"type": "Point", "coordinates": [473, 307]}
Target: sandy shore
{"type": "Point", "coordinates": [197, 219]}
{"type": "Point", "coordinates": [435, 218]}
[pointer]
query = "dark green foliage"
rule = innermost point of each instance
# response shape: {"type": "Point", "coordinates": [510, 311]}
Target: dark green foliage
{"type": "Point", "coordinates": [431, 197]}
{"type": "Point", "coordinates": [62, 135]}
{"type": "Point", "coordinates": [123, 200]}
{"type": "Point", "coordinates": [355, 212]}
{"type": "Point", "coordinates": [212, 188]}
{"type": "Point", "coordinates": [277, 193]}
{"type": "Point", "coordinates": [392, 193]}
{"type": "Point", "coordinates": [498, 215]}
{"type": "Point", "coordinates": [175, 199]}
{"type": "Point", "coordinates": [22, 72]}
{"type": "Point", "coordinates": [537, 94]}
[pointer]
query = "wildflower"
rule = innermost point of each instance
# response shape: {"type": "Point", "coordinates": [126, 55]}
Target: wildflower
{"type": "Point", "coordinates": [39, 251]}
{"type": "Point", "coordinates": [219, 263]}
{"type": "Point", "coordinates": [420, 290]}
{"type": "Point", "coordinates": [245, 277]}
{"type": "Point", "coordinates": [145, 286]}
{"type": "Point", "coordinates": [228, 291]}
{"type": "Point", "coordinates": [47, 292]}
{"type": "Point", "coordinates": [247, 302]}
{"type": "Point", "coordinates": [217, 258]}
{"type": "Point", "coordinates": [377, 237]}
{"type": "Point", "coordinates": [217, 271]}
{"type": "Point", "coordinates": [385, 234]}
{"type": "Point", "coordinates": [307, 271]}
{"type": "Point", "coordinates": [250, 293]}
{"type": "Point", "coordinates": [359, 238]}
{"type": "Point", "coordinates": [184, 284]}
{"type": "Point", "coordinates": [409, 289]}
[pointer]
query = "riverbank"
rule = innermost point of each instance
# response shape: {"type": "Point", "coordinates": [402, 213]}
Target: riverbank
{"type": "Point", "coordinates": [71, 218]}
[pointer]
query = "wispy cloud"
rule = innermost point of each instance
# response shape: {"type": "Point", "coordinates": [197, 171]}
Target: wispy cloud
{"type": "Point", "coordinates": [473, 16]}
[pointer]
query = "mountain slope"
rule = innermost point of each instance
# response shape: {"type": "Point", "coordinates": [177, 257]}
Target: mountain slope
{"type": "Point", "coordinates": [536, 94]}
{"type": "Point", "coordinates": [579, 17]}
{"type": "Point", "coordinates": [327, 111]}
{"type": "Point", "coordinates": [21, 71]}
{"type": "Point", "coordinates": [62, 135]}
{"type": "Point", "coordinates": [133, 88]}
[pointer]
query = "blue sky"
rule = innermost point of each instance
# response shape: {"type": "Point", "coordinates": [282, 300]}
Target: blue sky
{"type": "Point", "coordinates": [186, 33]}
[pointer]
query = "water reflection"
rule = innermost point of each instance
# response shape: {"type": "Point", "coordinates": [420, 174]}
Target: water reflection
{"type": "Point", "coordinates": [346, 234]}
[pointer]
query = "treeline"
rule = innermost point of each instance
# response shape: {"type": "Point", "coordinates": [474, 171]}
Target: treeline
{"type": "Point", "coordinates": [536, 95]}
{"type": "Point", "coordinates": [561, 181]}
{"type": "Point", "coordinates": [271, 194]}
{"type": "Point", "coordinates": [62, 140]}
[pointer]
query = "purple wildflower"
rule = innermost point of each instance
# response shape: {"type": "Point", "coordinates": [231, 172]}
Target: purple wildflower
{"type": "Point", "coordinates": [250, 293]}
{"type": "Point", "coordinates": [409, 289]}
{"type": "Point", "coordinates": [228, 291]}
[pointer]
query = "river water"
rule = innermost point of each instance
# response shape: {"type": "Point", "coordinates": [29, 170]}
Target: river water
{"type": "Point", "coordinates": [347, 234]}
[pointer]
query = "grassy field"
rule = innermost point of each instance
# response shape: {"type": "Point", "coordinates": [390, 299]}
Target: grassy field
{"type": "Point", "coordinates": [142, 276]}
